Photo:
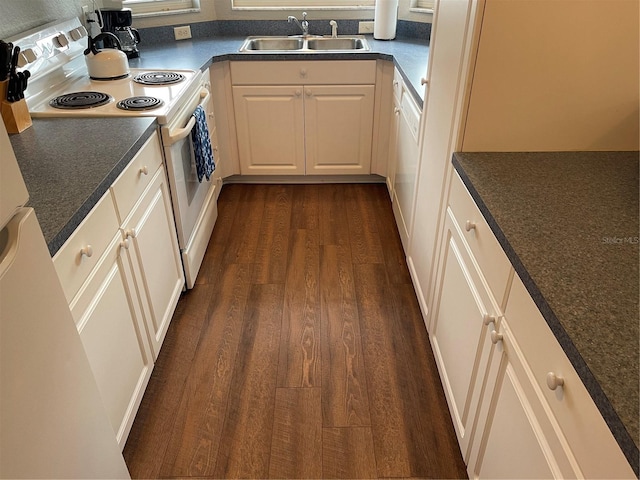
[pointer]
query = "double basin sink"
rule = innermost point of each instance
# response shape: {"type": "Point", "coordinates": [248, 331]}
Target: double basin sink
{"type": "Point", "coordinates": [310, 44]}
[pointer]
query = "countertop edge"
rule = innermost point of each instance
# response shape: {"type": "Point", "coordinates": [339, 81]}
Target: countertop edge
{"type": "Point", "coordinates": [602, 402]}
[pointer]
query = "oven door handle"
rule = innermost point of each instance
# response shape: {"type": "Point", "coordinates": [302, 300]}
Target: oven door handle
{"type": "Point", "coordinates": [169, 138]}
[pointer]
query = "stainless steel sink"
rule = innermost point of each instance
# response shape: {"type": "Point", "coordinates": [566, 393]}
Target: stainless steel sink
{"type": "Point", "coordinates": [340, 43]}
{"type": "Point", "coordinates": [273, 43]}
{"type": "Point", "coordinates": [356, 43]}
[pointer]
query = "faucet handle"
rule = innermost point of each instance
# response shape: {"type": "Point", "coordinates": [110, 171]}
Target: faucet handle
{"type": "Point", "coordinates": [304, 16]}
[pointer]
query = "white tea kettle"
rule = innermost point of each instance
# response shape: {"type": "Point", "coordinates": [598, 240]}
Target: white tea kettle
{"type": "Point", "coordinates": [106, 63]}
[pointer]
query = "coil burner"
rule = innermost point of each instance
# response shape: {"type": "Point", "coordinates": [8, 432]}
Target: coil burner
{"type": "Point", "coordinates": [158, 78]}
{"type": "Point", "coordinates": [139, 103]}
{"type": "Point", "coordinates": [79, 100]}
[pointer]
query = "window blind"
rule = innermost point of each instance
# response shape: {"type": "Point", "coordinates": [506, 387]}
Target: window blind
{"type": "Point", "coordinates": [425, 4]}
{"type": "Point", "coordinates": [303, 3]}
{"type": "Point", "coordinates": [161, 7]}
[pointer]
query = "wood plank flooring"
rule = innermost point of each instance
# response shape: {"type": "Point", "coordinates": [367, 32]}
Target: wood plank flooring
{"type": "Point", "coordinates": [300, 353]}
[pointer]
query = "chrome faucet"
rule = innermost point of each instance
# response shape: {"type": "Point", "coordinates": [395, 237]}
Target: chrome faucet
{"type": "Point", "coordinates": [334, 28]}
{"type": "Point", "coordinates": [304, 26]}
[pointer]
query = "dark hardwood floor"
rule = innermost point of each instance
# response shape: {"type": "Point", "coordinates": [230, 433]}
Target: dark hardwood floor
{"type": "Point", "coordinates": [300, 353]}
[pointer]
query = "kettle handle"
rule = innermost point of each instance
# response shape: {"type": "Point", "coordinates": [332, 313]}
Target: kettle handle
{"type": "Point", "coordinates": [115, 41]}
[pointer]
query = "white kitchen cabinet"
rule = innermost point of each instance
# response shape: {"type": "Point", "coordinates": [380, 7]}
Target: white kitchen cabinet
{"type": "Point", "coordinates": [270, 129]}
{"type": "Point", "coordinates": [530, 426]}
{"type": "Point", "coordinates": [149, 226]}
{"type": "Point", "coordinates": [304, 117]}
{"type": "Point", "coordinates": [122, 276]}
{"type": "Point", "coordinates": [407, 150]}
{"type": "Point", "coordinates": [496, 354]}
{"type": "Point", "coordinates": [339, 125]}
{"type": "Point", "coordinates": [95, 269]}
{"type": "Point", "coordinates": [450, 64]}
{"type": "Point", "coordinates": [516, 437]}
{"type": "Point", "coordinates": [392, 158]}
{"type": "Point", "coordinates": [466, 312]}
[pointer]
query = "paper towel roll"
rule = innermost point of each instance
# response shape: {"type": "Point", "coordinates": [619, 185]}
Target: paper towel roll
{"type": "Point", "coordinates": [386, 17]}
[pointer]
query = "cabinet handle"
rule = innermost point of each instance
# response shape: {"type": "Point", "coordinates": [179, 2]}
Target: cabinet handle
{"type": "Point", "coordinates": [396, 83]}
{"type": "Point", "coordinates": [308, 92]}
{"type": "Point", "coordinates": [488, 319]}
{"type": "Point", "coordinates": [144, 170]}
{"type": "Point", "coordinates": [125, 244]}
{"type": "Point", "coordinates": [469, 225]}
{"type": "Point", "coordinates": [423, 81]}
{"type": "Point", "coordinates": [496, 337]}
{"type": "Point", "coordinates": [87, 251]}
{"type": "Point", "coordinates": [554, 381]}
{"type": "Point", "coordinates": [396, 111]}
{"type": "Point", "coordinates": [131, 233]}
{"type": "Point", "coordinates": [303, 72]}
{"type": "Point", "coordinates": [298, 93]}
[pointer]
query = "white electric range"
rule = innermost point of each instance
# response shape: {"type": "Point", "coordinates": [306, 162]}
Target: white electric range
{"type": "Point", "coordinates": [60, 86]}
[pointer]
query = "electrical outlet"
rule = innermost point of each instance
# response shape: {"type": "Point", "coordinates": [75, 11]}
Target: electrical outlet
{"type": "Point", "coordinates": [85, 10]}
{"type": "Point", "coordinates": [182, 33]}
{"type": "Point", "coordinates": [365, 27]}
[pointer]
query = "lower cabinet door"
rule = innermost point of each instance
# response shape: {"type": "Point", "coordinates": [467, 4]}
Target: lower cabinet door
{"type": "Point", "coordinates": [339, 129]}
{"type": "Point", "coordinates": [108, 316]}
{"type": "Point", "coordinates": [156, 258]}
{"type": "Point", "coordinates": [460, 332]}
{"type": "Point", "coordinates": [517, 436]}
{"type": "Point", "coordinates": [270, 129]}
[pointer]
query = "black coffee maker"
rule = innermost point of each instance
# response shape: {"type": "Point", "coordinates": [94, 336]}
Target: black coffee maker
{"type": "Point", "coordinates": [119, 23]}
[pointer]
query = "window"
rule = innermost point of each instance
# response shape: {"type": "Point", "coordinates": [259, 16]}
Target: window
{"type": "Point", "coordinates": [334, 4]}
{"type": "Point", "coordinates": [147, 8]}
{"type": "Point", "coordinates": [424, 4]}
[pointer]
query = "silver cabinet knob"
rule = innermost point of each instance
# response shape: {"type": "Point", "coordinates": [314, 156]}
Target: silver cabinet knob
{"type": "Point", "coordinates": [469, 225]}
{"type": "Point", "coordinates": [396, 111]}
{"type": "Point", "coordinates": [131, 233]}
{"type": "Point", "coordinates": [87, 251]}
{"type": "Point", "coordinates": [125, 244]}
{"type": "Point", "coordinates": [554, 381]}
{"type": "Point", "coordinates": [496, 337]}
{"type": "Point", "coordinates": [423, 81]}
{"type": "Point", "coordinates": [144, 170]}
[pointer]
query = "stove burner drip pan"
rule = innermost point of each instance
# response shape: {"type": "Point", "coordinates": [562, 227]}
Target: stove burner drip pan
{"type": "Point", "coordinates": [139, 103]}
{"type": "Point", "coordinates": [158, 78]}
{"type": "Point", "coordinates": [80, 100]}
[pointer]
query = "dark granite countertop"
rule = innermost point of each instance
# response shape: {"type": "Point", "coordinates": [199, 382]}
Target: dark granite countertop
{"type": "Point", "coordinates": [68, 164]}
{"type": "Point", "coordinates": [409, 55]}
{"type": "Point", "coordinates": [568, 221]}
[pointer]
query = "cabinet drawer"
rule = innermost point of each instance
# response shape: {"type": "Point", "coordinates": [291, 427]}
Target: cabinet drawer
{"type": "Point", "coordinates": [82, 251]}
{"type": "Point", "coordinates": [487, 251]}
{"type": "Point", "coordinates": [324, 72]}
{"type": "Point", "coordinates": [134, 179]}
{"type": "Point", "coordinates": [591, 441]}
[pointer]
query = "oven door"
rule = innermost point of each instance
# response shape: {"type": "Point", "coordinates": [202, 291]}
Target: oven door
{"type": "Point", "coordinates": [194, 204]}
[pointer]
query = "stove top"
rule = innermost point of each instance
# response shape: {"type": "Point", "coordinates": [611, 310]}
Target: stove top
{"type": "Point", "coordinates": [123, 97]}
{"type": "Point", "coordinates": [60, 85]}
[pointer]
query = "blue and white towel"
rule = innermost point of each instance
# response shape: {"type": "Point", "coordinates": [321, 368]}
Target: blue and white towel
{"type": "Point", "coordinates": [205, 163]}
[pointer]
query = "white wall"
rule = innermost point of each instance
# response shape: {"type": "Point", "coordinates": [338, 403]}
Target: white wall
{"type": "Point", "coordinates": [17, 16]}
{"type": "Point", "coordinates": [556, 75]}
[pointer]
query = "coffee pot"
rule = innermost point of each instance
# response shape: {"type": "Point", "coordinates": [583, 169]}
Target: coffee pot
{"type": "Point", "coordinates": [129, 38]}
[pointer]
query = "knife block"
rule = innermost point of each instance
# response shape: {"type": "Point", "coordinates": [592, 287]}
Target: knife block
{"type": "Point", "coordinates": [15, 115]}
